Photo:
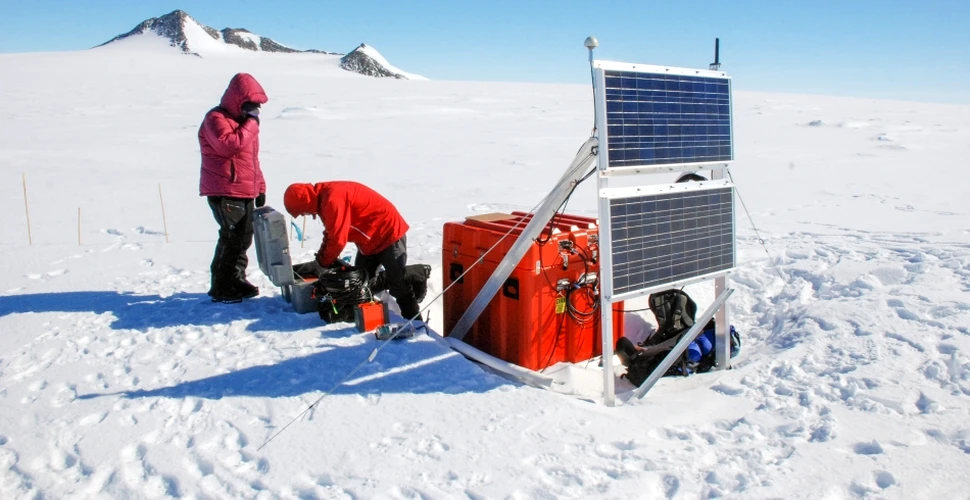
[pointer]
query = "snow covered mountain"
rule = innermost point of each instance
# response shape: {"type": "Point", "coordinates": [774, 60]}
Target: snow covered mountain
{"type": "Point", "coordinates": [192, 37]}
{"type": "Point", "coordinates": [368, 61]}
{"type": "Point", "coordinates": [189, 35]}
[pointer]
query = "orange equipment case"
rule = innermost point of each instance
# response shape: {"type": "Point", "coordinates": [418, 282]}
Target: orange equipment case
{"type": "Point", "coordinates": [370, 315]}
{"type": "Point", "coordinates": [523, 324]}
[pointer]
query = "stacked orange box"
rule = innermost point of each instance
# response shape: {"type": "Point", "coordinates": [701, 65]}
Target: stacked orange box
{"type": "Point", "coordinates": [523, 324]}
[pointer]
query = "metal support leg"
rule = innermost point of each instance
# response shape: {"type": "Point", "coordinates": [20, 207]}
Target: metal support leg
{"type": "Point", "coordinates": [722, 337]}
{"type": "Point", "coordinates": [606, 319]}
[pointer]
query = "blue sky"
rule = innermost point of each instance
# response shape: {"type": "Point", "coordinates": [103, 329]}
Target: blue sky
{"type": "Point", "coordinates": [914, 50]}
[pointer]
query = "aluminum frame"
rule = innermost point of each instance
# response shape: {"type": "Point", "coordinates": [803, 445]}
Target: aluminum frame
{"type": "Point", "coordinates": [605, 194]}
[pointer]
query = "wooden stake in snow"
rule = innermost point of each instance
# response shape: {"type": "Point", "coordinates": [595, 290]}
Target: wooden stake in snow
{"type": "Point", "coordinates": [78, 226]}
{"type": "Point", "coordinates": [30, 238]}
{"type": "Point", "coordinates": [162, 201]}
{"type": "Point", "coordinates": [303, 235]}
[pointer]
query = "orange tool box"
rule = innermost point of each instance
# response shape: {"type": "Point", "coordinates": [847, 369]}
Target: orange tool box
{"type": "Point", "coordinates": [370, 315]}
{"type": "Point", "coordinates": [547, 310]}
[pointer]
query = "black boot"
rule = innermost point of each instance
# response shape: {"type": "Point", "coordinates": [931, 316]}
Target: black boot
{"type": "Point", "coordinates": [227, 295]}
{"type": "Point", "coordinates": [246, 289]}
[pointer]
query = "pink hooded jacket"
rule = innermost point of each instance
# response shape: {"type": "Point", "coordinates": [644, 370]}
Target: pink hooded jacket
{"type": "Point", "coordinates": [229, 143]}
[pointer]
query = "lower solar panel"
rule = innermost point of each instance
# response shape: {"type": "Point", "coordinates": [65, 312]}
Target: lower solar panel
{"type": "Point", "coordinates": [671, 236]}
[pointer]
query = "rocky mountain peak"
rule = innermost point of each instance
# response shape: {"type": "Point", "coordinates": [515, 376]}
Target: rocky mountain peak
{"type": "Point", "coordinates": [192, 37]}
{"type": "Point", "coordinates": [367, 61]}
{"type": "Point", "coordinates": [173, 26]}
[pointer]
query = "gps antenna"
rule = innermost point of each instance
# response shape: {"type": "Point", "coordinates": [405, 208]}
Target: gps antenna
{"type": "Point", "coordinates": [716, 65]}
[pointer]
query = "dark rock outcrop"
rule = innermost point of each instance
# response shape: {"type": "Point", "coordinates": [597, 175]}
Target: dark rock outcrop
{"type": "Point", "coordinates": [359, 61]}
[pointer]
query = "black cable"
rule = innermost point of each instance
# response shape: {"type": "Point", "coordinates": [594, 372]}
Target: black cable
{"type": "Point", "coordinates": [555, 343]}
{"type": "Point", "coordinates": [582, 317]}
{"type": "Point", "coordinates": [346, 286]}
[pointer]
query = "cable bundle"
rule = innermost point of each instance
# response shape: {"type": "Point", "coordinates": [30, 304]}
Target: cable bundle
{"type": "Point", "coordinates": [339, 290]}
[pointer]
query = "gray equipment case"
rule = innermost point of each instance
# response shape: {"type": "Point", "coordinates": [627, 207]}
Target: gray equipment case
{"type": "Point", "coordinates": [273, 246]}
{"type": "Point", "coordinates": [273, 253]}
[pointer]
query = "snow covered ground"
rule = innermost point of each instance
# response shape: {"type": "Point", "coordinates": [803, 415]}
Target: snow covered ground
{"type": "Point", "coordinates": [119, 379]}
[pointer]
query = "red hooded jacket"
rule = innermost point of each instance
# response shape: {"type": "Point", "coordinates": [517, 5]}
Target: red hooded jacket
{"type": "Point", "coordinates": [230, 143]}
{"type": "Point", "coordinates": [350, 212]}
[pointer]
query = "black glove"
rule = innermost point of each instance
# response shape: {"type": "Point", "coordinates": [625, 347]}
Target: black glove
{"type": "Point", "coordinates": [260, 200]}
{"type": "Point", "coordinates": [250, 110]}
{"type": "Point", "coordinates": [337, 264]}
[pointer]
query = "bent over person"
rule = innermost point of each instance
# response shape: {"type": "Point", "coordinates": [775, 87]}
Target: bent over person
{"type": "Point", "coordinates": [352, 212]}
{"type": "Point", "coordinates": [233, 183]}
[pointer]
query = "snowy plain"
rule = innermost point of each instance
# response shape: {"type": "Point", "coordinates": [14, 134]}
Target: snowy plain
{"type": "Point", "coordinates": [119, 379]}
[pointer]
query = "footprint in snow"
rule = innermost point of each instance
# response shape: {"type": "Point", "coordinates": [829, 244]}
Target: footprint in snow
{"type": "Point", "coordinates": [871, 448]}
{"type": "Point", "coordinates": [876, 483]}
{"type": "Point", "coordinates": [145, 230]}
{"type": "Point", "coordinates": [884, 479]}
{"type": "Point", "coordinates": [926, 405]}
{"type": "Point", "coordinates": [728, 389]}
{"type": "Point", "coordinates": [92, 419]}
{"type": "Point", "coordinates": [63, 396]}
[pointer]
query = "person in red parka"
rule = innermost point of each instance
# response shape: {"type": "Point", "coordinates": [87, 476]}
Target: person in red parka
{"type": "Point", "coordinates": [354, 213]}
{"type": "Point", "coordinates": [233, 183]}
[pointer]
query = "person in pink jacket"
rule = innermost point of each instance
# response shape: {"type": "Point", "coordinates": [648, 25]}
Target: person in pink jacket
{"type": "Point", "coordinates": [233, 183]}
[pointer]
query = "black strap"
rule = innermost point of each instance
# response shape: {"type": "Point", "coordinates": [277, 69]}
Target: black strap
{"type": "Point", "coordinates": [666, 345]}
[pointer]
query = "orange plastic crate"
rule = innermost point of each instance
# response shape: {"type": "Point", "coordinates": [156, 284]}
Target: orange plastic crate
{"type": "Point", "coordinates": [521, 324]}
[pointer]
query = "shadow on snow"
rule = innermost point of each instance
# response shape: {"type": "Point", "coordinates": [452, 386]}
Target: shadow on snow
{"type": "Point", "coordinates": [141, 312]}
{"type": "Point", "coordinates": [416, 366]}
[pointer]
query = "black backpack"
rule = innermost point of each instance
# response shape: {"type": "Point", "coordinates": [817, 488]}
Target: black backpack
{"type": "Point", "coordinates": [675, 312]}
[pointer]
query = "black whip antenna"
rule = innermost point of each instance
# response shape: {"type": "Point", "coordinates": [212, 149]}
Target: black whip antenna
{"type": "Point", "coordinates": [716, 65]}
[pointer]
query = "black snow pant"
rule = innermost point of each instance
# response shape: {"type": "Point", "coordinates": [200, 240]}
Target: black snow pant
{"type": "Point", "coordinates": [235, 219]}
{"type": "Point", "coordinates": [394, 259]}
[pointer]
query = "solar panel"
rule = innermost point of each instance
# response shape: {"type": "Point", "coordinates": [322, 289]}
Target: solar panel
{"type": "Point", "coordinates": [667, 117]}
{"type": "Point", "coordinates": [667, 237]}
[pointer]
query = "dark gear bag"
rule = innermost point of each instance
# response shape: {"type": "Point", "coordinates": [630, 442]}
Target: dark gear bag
{"type": "Point", "coordinates": [415, 275]}
{"type": "Point", "coordinates": [709, 359]}
{"type": "Point", "coordinates": [674, 311]}
{"type": "Point", "coordinates": [340, 289]}
{"type": "Point", "coordinates": [641, 361]}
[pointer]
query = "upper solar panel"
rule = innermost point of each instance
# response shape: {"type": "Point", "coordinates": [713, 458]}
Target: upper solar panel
{"type": "Point", "coordinates": [664, 116]}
